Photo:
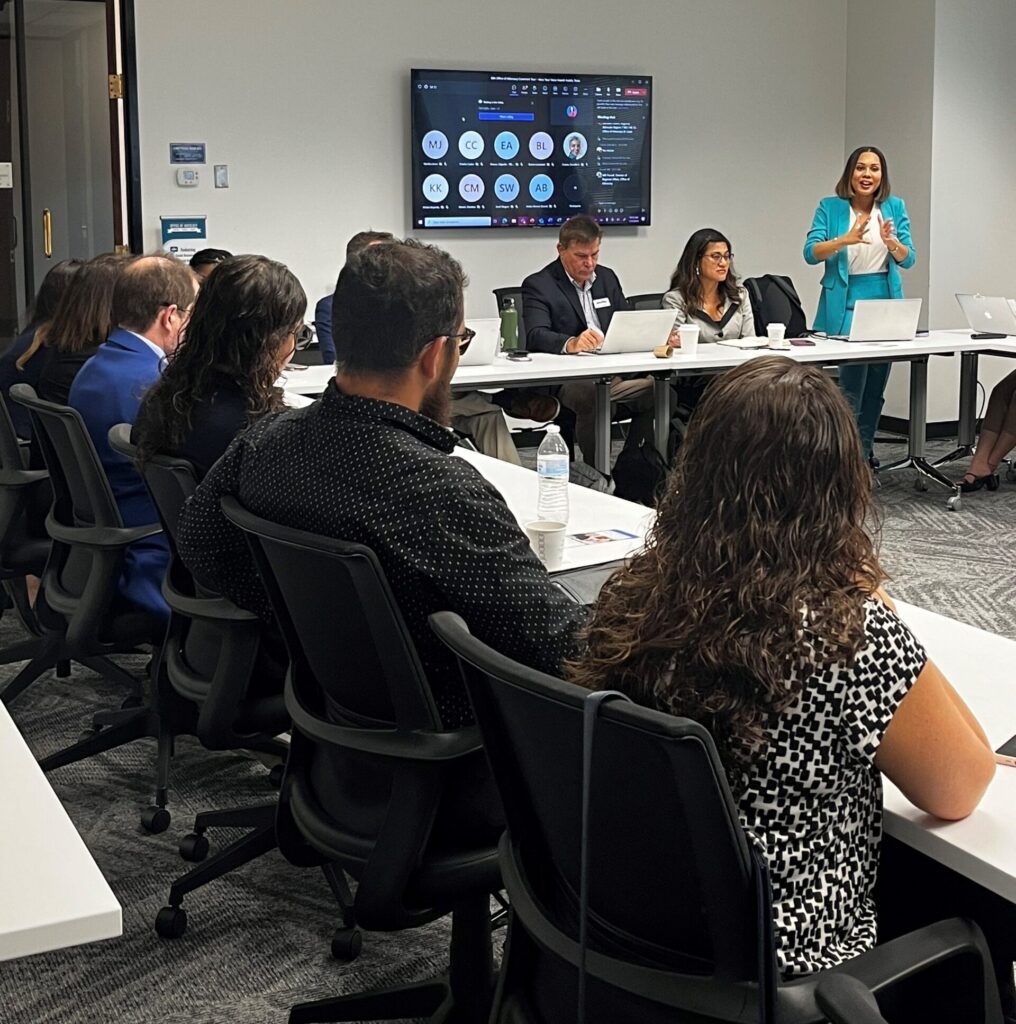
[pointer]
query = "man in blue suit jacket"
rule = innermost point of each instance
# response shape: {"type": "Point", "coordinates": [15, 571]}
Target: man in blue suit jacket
{"type": "Point", "coordinates": [151, 303]}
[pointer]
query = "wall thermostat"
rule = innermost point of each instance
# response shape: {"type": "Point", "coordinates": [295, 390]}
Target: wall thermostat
{"type": "Point", "coordinates": [187, 177]}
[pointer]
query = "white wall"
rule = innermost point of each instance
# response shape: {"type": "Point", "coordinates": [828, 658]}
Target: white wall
{"type": "Point", "coordinates": [308, 105]}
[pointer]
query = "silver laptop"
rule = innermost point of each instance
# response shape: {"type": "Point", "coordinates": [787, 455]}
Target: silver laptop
{"type": "Point", "coordinates": [483, 348]}
{"type": "Point", "coordinates": [884, 320]}
{"type": "Point", "coordinates": [639, 330]}
{"type": "Point", "coordinates": [988, 314]}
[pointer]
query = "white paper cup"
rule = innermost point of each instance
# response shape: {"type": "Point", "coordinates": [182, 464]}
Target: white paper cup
{"type": "Point", "coordinates": [777, 336]}
{"type": "Point", "coordinates": [689, 335]}
{"type": "Point", "coordinates": [546, 536]}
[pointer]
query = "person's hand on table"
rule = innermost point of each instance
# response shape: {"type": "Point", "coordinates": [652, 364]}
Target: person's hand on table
{"type": "Point", "coordinates": [588, 341]}
{"type": "Point", "coordinates": [674, 341]}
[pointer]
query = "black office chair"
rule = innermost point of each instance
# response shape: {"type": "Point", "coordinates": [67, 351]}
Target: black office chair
{"type": "Point", "coordinates": [502, 295]}
{"type": "Point", "coordinates": [649, 300]}
{"type": "Point", "coordinates": [210, 686]}
{"type": "Point", "coordinates": [23, 492]}
{"type": "Point", "coordinates": [80, 614]}
{"type": "Point", "coordinates": [372, 773]}
{"type": "Point", "coordinates": [675, 920]}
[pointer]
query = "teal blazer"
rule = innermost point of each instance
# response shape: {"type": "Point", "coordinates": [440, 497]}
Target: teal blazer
{"type": "Point", "coordinates": [832, 219]}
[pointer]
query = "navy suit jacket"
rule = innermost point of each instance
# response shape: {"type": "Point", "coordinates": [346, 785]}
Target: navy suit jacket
{"type": "Point", "coordinates": [323, 328]}
{"type": "Point", "coordinates": [551, 309]}
{"type": "Point", "coordinates": [108, 390]}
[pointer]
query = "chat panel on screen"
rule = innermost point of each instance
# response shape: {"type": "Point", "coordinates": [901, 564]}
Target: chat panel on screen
{"type": "Point", "coordinates": [500, 150]}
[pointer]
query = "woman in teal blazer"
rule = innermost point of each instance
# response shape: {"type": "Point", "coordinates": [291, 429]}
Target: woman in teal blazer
{"type": "Point", "coordinates": [862, 234]}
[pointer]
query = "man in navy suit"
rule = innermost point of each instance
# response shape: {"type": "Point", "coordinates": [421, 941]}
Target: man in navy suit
{"type": "Point", "coordinates": [151, 303]}
{"type": "Point", "coordinates": [567, 308]}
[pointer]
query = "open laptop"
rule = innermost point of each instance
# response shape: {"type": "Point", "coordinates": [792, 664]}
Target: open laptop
{"type": "Point", "coordinates": [989, 316]}
{"type": "Point", "coordinates": [483, 348]}
{"type": "Point", "coordinates": [639, 330]}
{"type": "Point", "coordinates": [883, 320]}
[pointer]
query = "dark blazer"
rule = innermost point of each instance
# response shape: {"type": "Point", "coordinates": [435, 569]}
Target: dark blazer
{"type": "Point", "coordinates": [10, 374]}
{"type": "Point", "coordinates": [551, 309]}
{"type": "Point", "coordinates": [58, 372]}
{"type": "Point", "coordinates": [323, 327]}
{"type": "Point", "coordinates": [108, 390]}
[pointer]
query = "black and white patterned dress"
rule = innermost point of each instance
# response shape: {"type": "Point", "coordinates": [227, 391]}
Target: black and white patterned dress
{"type": "Point", "coordinates": [814, 798]}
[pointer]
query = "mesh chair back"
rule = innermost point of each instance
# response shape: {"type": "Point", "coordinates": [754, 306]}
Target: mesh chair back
{"type": "Point", "coordinates": [502, 295]}
{"type": "Point", "coordinates": [649, 300]}
{"type": "Point", "coordinates": [341, 624]}
{"type": "Point", "coordinates": [670, 873]}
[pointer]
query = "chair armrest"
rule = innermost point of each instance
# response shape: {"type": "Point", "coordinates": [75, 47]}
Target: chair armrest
{"type": "Point", "coordinates": [210, 609]}
{"type": "Point", "coordinates": [845, 1000]}
{"type": "Point", "coordinates": [385, 743]}
{"type": "Point", "coordinates": [22, 477]}
{"type": "Point", "coordinates": [100, 536]}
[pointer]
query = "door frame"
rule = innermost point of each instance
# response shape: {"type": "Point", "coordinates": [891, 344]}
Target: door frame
{"type": "Point", "coordinates": [125, 150]}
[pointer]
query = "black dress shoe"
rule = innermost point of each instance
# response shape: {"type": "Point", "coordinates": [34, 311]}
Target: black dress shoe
{"type": "Point", "coordinates": [975, 483]}
{"type": "Point", "coordinates": [874, 462]}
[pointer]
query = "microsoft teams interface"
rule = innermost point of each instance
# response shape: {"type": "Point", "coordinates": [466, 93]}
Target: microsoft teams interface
{"type": "Point", "coordinates": [499, 150]}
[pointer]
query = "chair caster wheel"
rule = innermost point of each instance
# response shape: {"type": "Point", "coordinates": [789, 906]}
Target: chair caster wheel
{"type": "Point", "coordinates": [171, 922]}
{"type": "Point", "coordinates": [194, 847]}
{"type": "Point", "coordinates": [276, 773]}
{"type": "Point", "coordinates": [954, 503]}
{"type": "Point", "coordinates": [346, 944]}
{"type": "Point", "coordinates": [920, 484]}
{"type": "Point", "coordinates": [130, 702]}
{"type": "Point", "coordinates": [155, 820]}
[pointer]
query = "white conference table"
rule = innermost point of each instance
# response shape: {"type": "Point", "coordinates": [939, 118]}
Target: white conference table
{"type": "Point", "coordinates": [52, 894]}
{"type": "Point", "coordinates": [982, 847]}
{"type": "Point", "coordinates": [544, 369]}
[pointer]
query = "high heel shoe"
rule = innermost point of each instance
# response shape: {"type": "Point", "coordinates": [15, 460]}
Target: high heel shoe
{"type": "Point", "coordinates": [975, 483]}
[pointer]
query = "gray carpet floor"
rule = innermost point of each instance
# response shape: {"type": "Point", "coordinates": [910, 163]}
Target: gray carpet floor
{"type": "Point", "coordinates": [258, 939]}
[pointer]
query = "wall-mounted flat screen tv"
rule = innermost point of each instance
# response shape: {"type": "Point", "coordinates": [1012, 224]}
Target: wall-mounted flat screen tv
{"type": "Point", "coordinates": [494, 149]}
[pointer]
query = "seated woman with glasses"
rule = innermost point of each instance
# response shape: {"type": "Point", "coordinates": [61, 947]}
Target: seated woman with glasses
{"type": "Point", "coordinates": [756, 610]}
{"type": "Point", "coordinates": [246, 324]}
{"type": "Point", "coordinates": [705, 292]}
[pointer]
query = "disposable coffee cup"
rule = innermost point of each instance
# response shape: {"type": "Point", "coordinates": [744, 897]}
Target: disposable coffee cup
{"type": "Point", "coordinates": [689, 335]}
{"type": "Point", "coordinates": [777, 336]}
{"type": "Point", "coordinates": [546, 537]}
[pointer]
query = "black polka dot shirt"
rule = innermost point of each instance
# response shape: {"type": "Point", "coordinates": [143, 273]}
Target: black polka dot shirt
{"type": "Point", "coordinates": [379, 474]}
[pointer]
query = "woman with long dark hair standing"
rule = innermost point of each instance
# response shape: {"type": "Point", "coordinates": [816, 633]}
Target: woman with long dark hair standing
{"type": "Point", "coordinates": [862, 234]}
{"type": "Point", "coordinates": [244, 328]}
{"type": "Point", "coordinates": [757, 610]}
{"type": "Point", "coordinates": [705, 292]}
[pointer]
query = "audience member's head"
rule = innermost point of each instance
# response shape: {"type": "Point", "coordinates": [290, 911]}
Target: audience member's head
{"type": "Point", "coordinates": [204, 261]}
{"type": "Point", "coordinates": [578, 245]}
{"type": "Point", "coordinates": [399, 307]}
{"type": "Point", "coordinates": [153, 297]}
{"type": "Point", "coordinates": [244, 327]}
{"type": "Point", "coordinates": [759, 548]}
{"type": "Point", "coordinates": [707, 259]}
{"type": "Point", "coordinates": [362, 239]}
{"type": "Point", "coordinates": [84, 314]}
{"type": "Point", "coordinates": [54, 284]}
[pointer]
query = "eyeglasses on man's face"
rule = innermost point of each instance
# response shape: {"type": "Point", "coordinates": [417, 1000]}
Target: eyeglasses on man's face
{"type": "Point", "coordinates": [719, 257]}
{"type": "Point", "coordinates": [463, 339]}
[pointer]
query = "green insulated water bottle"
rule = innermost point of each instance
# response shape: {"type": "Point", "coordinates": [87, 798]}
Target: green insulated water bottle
{"type": "Point", "coordinates": [509, 326]}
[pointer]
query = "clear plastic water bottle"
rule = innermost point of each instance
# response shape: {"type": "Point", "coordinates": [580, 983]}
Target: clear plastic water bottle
{"type": "Point", "coordinates": [509, 326]}
{"type": "Point", "coordinates": [552, 474]}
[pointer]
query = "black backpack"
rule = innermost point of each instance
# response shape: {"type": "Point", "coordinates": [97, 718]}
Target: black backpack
{"type": "Point", "coordinates": [640, 473]}
{"type": "Point", "coordinates": [774, 300]}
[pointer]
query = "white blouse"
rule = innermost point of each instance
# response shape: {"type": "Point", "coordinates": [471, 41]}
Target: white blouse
{"type": "Point", "coordinates": [872, 258]}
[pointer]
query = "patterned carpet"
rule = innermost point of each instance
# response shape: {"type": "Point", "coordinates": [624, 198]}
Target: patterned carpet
{"type": "Point", "coordinates": [258, 939]}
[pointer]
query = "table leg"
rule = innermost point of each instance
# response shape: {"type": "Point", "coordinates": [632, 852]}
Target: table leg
{"type": "Point", "coordinates": [918, 430]}
{"type": "Point", "coordinates": [967, 424]}
{"type": "Point", "coordinates": [661, 413]}
{"type": "Point", "coordinates": [601, 457]}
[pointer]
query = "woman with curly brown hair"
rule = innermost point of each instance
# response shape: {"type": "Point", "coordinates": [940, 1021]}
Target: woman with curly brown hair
{"type": "Point", "coordinates": [244, 328]}
{"type": "Point", "coordinates": [756, 610]}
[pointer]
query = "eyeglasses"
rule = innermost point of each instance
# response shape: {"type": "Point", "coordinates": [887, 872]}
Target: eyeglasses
{"type": "Point", "coordinates": [463, 339]}
{"type": "Point", "coordinates": [303, 336]}
{"type": "Point", "coordinates": [719, 257]}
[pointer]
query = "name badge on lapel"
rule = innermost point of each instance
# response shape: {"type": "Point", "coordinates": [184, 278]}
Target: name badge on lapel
{"type": "Point", "coordinates": [601, 303]}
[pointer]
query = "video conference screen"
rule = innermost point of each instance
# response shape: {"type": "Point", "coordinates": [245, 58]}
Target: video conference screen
{"type": "Point", "coordinates": [502, 150]}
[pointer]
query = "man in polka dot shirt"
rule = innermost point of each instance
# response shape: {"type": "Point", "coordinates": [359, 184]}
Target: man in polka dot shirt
{"type": "Point", "coordinates": [371, 462]}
